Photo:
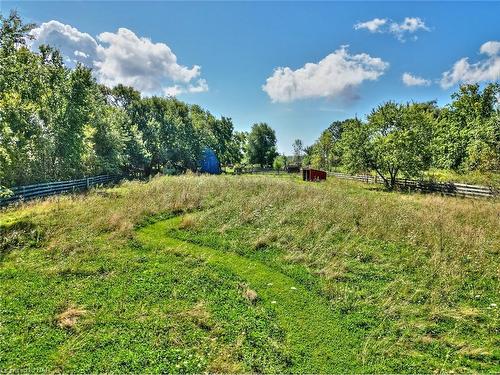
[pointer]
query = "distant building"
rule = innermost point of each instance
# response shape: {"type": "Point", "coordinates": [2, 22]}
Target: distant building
{"type": "Point", "coordinates": [309, 174]}
{"type": "Point", "coordinates": [209, 162]}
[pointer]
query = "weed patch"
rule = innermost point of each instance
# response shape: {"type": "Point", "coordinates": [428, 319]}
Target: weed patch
{"type": "Point", "coordinates": [18, 235]}
{"type": "Point", "coordinates": [69, 317]}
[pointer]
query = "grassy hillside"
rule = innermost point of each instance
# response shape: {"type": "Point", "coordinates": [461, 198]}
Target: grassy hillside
{"type": "Point", "coordinates": [250, 273]}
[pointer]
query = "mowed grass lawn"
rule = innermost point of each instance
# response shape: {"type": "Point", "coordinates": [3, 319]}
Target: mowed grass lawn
{"type": "Point", "coordinates": [250, 274]}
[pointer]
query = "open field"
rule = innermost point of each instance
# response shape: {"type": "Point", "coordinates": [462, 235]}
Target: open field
{"type": "Point", "coordinates": [250, 274]}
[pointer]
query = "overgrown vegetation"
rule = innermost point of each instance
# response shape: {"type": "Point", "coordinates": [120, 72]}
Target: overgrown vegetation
{"type": "Point", "coordinates": [411, 279]}
{"type": "Point", "coordinates": [57, 123]}
{"type": "Point", "coordinates": [409, 139]}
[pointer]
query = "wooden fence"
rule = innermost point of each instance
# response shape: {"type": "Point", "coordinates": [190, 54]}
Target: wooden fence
{"type": "Point", "coordinates": [445, 188]}
{"type": "Point", "coordinates": [23, 193]}
{"type": "Point", "coordinates": [258, 170]}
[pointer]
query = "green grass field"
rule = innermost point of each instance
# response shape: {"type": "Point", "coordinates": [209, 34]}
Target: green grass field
{"type": "Point", "coordinates": [250, 274]}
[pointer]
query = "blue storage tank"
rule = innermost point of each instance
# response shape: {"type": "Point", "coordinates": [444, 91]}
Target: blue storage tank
{"type": "Point", "coordinates": [209, 162]}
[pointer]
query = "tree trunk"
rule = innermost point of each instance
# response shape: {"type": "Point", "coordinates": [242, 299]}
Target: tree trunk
{"type": "Point", "coordinates": [386, 182]}
{"type": "Point", "coordinates": [393, 181]}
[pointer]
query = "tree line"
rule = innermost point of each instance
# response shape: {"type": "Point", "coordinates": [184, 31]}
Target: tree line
{"type": "Point", "coordinates": [58, 123]}
{"type": "Point", "coordinates": [408, 139]}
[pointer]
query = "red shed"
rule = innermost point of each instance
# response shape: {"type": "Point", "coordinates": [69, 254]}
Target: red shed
{"type": "Point", "coordinates": [309, 174]}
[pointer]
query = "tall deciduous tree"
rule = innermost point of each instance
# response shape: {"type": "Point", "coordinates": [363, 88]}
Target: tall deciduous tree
{"type": "Point", "coordinates": [466, 138]}
{"type": "Point", "coordinates": [237, 147]}
{"type": "Point", "coordinates": [396, 140]}
{"type": "Point", "coordinates": [298, 151]}
{"type": "Point", "coordinates": [70, 132]}
{"type": "Point", "coordinates": [14, 32]}
{"type": "Point", "coordinates": [261, 146]}
{"type": "Point", "coordinates": [323, 151]}
{"type": "Point", "coordinates": [357, 151]}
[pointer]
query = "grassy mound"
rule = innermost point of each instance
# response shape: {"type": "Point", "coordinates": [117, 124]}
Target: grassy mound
{"type": "Point", "coordinates": [411, 281]}
{"type": "Point", "coordinates": [318, 338]}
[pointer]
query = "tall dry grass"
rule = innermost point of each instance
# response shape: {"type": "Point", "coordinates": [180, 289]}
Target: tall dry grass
{"type": "Point", "coordinates": [425, 266]}
{"type": "Point", "coordinates": [303, 219]}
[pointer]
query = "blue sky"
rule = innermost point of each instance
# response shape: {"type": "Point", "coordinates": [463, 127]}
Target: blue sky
{"type": "Point", "coordinates": [226, 51]}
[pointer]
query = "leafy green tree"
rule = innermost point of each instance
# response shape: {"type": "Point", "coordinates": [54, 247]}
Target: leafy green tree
{"type": "Point", "coordinates": [236, 148]}
{"type": "Point", "coordinates": [21, 88]}
{"type": "Point", "coordinates": [52, 105]}
{"type": "Point", "coordinates": [149, 116]}
{"type": "Point", "coordinates": [5, 192]}
{"type": "Point", "coordinates": [108, 141]}
{"type": "Point", "coordinates": [357, 150]}
{"type": "Point", "coordinates": [327, 150]}
{"type": "Point", "coordinates": [216, 134]}
{"type": "Point", "coordinates": [308, 155]}
{"type": "Point", "coordinates": [335, 129]}
{"type": "Point", "coordinates": [136, 156]}
{"type": "Point", "coordinates": [261, 146]}
{"type": "Point", "coordinates": [184, 142]}
{"type": "Point", "coordinates": [122, 96]}
{"type": "Point", "coordinates": [224, 134]}
{"type": "Point", "coordinates": [70, 131]}
{"type": "Point", "coordinates": [322, 156]}
{"type": "Point", "coordinates": [14, 33]}
{"type": "Point", "coordinates": [298, 150]}
{"type": "Point", "coordinates": [395, 141]}
{"type": "Point", "coordinates": [280, 162]}
{"type": "Point", "coordinates": [483, 151]}
{"type": "Point", "coordinates": [465, 134]}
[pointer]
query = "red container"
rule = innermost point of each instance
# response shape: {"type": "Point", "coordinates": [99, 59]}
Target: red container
{"type": "Point", "coordinates": [309, 174]}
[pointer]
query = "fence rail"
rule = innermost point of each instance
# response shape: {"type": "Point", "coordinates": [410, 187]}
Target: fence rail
{"type": "Point", "coordinates": [27, 192]}
{"type": "Point", "coordinates": [445, 188]}
{"type": "Point", "coordinates": [258, 170]}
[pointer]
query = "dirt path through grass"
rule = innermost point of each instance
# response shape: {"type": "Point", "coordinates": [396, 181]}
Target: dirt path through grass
{"type": "Point", "coordinates": [318, 338]}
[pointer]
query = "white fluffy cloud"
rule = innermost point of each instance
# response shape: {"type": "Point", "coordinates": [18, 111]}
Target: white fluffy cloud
{"type": "Point", "coordinates": [490, 48]}
{"type": "Point", "coordinates": [70, 41]}
{"type": "Point", "coordinates": [487, 69]}
{"type": "Point", "coordinates": [200, 86]}
{"type": "Point", "coordinates": [410, 25]}
{"type": "Point", "coordinates": [411, 80]}
{"type": "Point", "coordinates": [335, 75]}
{"type": "Point", "coordinates": [123, 57]}
{"type": "Point", "coordinates": [372, 26]}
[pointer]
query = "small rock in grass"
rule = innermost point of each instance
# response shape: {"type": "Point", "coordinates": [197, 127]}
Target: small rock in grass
{"type": "Point", "coordinates": [293, 288]}
{"type": "Point", "coordinates": [273, 302]}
